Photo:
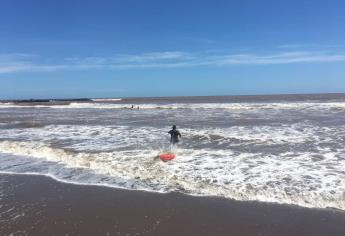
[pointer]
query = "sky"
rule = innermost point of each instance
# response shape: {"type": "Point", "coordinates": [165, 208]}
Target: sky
{"type": "Point", "coordinates": [127, 48]}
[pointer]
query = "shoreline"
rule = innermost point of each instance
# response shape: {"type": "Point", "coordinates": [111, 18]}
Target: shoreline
{"type": "Point", "coordinates": [41, 205]}
{"type": "Point", "coordinates": [116, 188]}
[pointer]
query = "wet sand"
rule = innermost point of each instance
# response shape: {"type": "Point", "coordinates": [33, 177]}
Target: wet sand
{"type": "Point", "coordinates": [38, 205]}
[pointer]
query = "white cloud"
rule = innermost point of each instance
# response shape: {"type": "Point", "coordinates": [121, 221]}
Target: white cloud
{"type": "Point", "coordinates": [282, 58]}
{"type": "Point", "coordinates": [295, 46]}
{"type": "Point", "coordinates": [10, 63]}
{"type": "Point", "coordinates": [154, 56]}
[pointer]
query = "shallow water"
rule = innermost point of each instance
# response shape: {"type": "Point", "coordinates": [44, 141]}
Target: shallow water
{"type": "Point", "coordinates": [285, 149]}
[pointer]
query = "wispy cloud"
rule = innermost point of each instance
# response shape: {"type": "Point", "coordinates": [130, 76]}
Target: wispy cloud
{"type": "Point", "coordinates": [296, 46]}
{"type": "Point", "coordinates": [282, 58]}
{"type": "Point", "coordinates": [139, 59]}
{"type": "Point", "coordinates": [154, 56]}
{"type": "Point", "coordinates": [10, 63]}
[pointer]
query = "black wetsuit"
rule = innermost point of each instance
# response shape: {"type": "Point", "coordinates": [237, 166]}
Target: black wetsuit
{"type": "Point", "coordinates": [175, 134]}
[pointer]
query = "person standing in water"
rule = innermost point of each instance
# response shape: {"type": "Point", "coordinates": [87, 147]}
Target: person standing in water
{"type": "Point", "coordinates": [174, 135]}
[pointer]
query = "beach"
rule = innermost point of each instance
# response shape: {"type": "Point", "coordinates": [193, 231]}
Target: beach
{"type": "Point", "coordinates": [39, 205]}
{"type": "Point", "coordinates": [166, 118]}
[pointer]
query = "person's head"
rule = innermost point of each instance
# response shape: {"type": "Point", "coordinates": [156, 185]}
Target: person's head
{"type": "Point", "coordinates": [174, 127]}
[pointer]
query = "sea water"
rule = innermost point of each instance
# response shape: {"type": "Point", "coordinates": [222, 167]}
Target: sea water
{"type": "Point", "coordinates": [285, 149]}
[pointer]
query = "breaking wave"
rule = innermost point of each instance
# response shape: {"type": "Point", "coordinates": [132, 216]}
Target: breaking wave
{"type": "Point", "coordinates": [228, 106]}
{"type": "Point", "coordinates": [310, 178]}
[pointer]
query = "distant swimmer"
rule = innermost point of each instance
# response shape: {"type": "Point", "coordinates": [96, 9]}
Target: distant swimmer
{"type": "Point", "coordinates": [174, 135]}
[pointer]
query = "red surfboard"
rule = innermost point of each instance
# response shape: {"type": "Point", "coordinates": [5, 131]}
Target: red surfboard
{"type": "Point", "coordinates": [167, 156]}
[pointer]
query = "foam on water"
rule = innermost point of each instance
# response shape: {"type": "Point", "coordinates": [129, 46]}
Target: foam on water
{"type": "Point", "coordinates": [300, 164]}
{"type": "Point", "coordinates": [284, 152]}
{"type": "Point", "coordinates": [231, 106]}
{"type": "Point", "coordinates": [106, 99]}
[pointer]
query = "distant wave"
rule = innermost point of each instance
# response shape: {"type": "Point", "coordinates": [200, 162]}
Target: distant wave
{"type": "Point", "coordinates": [106, 99]}
{"type": "Point", "coordinates": [228, 106]}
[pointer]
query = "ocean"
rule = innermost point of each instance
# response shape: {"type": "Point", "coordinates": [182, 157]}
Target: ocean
{"type": "Point", "coordinates": [287, 149]}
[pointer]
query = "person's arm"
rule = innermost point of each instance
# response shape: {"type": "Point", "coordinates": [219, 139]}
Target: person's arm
{"type": "Point", "coordinates": [179, 134]}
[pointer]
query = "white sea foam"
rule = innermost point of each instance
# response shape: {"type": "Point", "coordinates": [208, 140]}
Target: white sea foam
{"type": "Point", "coordinates": [106, 99]}
{"type": "Point", "coordinates": [313, 178]}
{"type": "Point", "coordinates": [227, 106]}
{"type": "Point", "coordinates": [105, 138]}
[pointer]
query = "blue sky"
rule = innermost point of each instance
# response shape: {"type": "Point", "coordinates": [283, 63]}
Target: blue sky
{"type": "Point", "coordinates": [56, 49]}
